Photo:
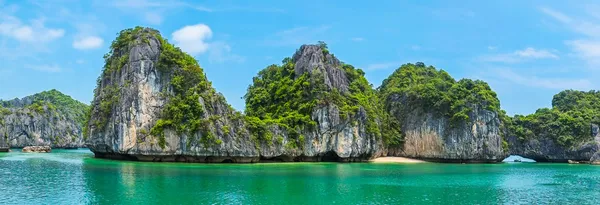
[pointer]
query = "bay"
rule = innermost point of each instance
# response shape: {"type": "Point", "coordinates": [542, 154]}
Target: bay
{"type": "Point", "coordinates": [75, 177]}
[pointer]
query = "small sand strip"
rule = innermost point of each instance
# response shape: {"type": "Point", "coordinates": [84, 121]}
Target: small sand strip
{"type": "Point", "coordinates": [396, 160]}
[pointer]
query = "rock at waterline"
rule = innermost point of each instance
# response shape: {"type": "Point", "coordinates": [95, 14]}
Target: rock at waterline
{"type": "Point", "coordinates": [595, 159]}
{"type": "Point", "coordinates": [41, 149]}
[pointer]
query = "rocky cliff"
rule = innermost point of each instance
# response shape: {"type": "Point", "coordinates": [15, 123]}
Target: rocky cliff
{"type": "Point", "coordinates": [49, 118]}
{"type": "Point", "coordinates": [567, 131]}
{"type": "Point", "coordinates": [314, 108]}
{"type": "Point", "coordinates": [153, 103]}
{"type": "Point", "coordinates": [545, 149]}
{"type": "Point", "coordinates": [441, 119]}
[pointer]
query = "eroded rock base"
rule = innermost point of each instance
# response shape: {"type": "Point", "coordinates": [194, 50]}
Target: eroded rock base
{"type": "Point", "coordinates": [212, 159]}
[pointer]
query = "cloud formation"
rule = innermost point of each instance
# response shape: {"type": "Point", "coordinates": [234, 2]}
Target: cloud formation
{"type": "Point", "coordinates": [192, 39]}
{"type": "Point", "coordinates": [88, 42]}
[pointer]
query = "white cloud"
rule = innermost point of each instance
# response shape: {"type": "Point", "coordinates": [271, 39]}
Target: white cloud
{"type": "Point", "coordinates": [548, 83]}
{"type": "Point", "coordinates": [153, 18]}
{"type": "Point", "coordinates": [45, 68]}
{"type": "Point", "coordinates": [528, 53]}
{"type": "Point", "coordinates": [35, 32]}
{"type": "Point", "coordinates": [534, 53]}
{"type": "Point", "coordinates": [491, 48]}
{"type": "Point", "coordinates": [220, 52]}
{"type": "Point", "coordinates": [88, 42]}
{"type": "Point", "coordinates": [357, 39]}
{"type": "Point", "coordinates": [556, 15]}
{"type": "Point", "coordinates": [297, 36]}
{"type": "Point", "coordinates": [141, 4]}
{"type": "Point", "coordinates": [382, 66]}
{"type": "Point", "coordinates": [192, 39]}
{"type": "Point", "coordinates": [586, 47]}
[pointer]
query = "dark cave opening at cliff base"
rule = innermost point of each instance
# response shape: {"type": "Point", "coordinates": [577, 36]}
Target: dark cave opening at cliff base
{"type": "Point", "coordinates": [330, 156]}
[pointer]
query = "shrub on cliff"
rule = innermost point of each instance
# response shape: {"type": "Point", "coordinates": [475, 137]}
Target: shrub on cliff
{"type": "Point", "coordinates": [51, 101]}
{"type": "Point", "coordinates": [431, 89]}
{"type": "Point", "coordinates": [279, 95]}
{"type": "Point", "coordinates": [567, 123]}
{"type": "Point", "coordinates": [183, 112]}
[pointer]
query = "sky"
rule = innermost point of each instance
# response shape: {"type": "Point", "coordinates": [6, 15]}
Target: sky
{"type": "Point", "coordinates": [526, 50]}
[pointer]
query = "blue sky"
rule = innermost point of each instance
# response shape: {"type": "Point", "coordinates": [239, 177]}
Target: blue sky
{"type": "Point", "coordinates": [526, 50]}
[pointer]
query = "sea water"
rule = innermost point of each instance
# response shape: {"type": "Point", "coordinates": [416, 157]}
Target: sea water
{"type": "Point", "coordinates": [76, 177]}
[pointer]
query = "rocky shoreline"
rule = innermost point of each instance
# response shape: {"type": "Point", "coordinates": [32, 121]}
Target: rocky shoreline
{"type": "Point", "coordinates": [37, 149]}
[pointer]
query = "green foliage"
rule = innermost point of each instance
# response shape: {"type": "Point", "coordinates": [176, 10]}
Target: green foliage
{"type": "Point", "coordinates": [567, 122]}
{"type": "Point", "coordinates": [279, 96]}
{"type": "Point", "coordinates": [53, 101]}
{"type": "Point", "coordinates": [431, 89]}
{"type": "Point", "coordinates": [3, 111]}
{"type": "Point", "coordinates": [183, 111]}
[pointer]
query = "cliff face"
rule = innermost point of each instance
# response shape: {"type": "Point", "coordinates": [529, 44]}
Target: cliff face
{"type": "Point", "coordinates": [337, 135]}
{"type": "Point", "coordinates": [131, 99]}
{"type": "Point", "coordinates": [153, 103]}
{"type": "Point", "coordinates": [545, 149]}
{"type": "Point", "coordinates": [442, 119]}
{"type": "Point", "coordinates": [427, 135]}
{"type": "Point", "coordinates": [44, 119]}
{"type": "Point", "coordinates": [566, 131]}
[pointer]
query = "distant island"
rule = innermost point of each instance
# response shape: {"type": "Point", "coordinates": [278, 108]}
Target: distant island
{"type": "Point", "coordinates": [153, 102]}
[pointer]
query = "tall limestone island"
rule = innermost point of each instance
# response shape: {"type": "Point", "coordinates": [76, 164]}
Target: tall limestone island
{"type": "Point", "coordinates": [154, 103]}
{"type": "Point", "coordinates": [567, 131]}
{"type": "Point", "coordinates": [313, 107]}
{"type": "Point", "coordinates": [49, 118]}
{"type": "Point", "coordinates": [442, 119]}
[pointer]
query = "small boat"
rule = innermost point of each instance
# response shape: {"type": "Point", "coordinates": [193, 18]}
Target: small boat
{"type": "Point", "coordinates": [517, 160]}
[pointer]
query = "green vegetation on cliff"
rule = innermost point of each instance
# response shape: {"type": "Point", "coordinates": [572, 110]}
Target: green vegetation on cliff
{"type": "Point", "coordinates": [567, 122]}
{"type": "Point", "coordinates": [278, 95]}
{"type": "Point", "coordinates": [431, 89]}
{"type": "Point", "coordinates": [183, 111]}
{"type": "Point", "coordinates": [48, 102]}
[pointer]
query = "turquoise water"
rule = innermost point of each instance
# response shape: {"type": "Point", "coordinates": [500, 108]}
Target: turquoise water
{"type": "Point", "coordinates": [75, 177]}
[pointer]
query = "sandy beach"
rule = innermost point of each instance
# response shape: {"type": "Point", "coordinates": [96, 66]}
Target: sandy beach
{"type": "Point", "coordinates": [396, 160]}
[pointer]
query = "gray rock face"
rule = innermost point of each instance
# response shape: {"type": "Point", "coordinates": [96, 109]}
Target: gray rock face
{"type": "Point", "coordinates": [4, 146]}
{"type": "Point", "coordinates": [139, 105]}
{"type": "Point", "coordinates": [312, 57]}
{"type": "Point", "coordinates": [433, 137]}
{"type": "Point", "coordinates": [25, 127]}
{"type": "Point", "coordinates": [334, 139]}
{"type": "Point", "coordinates": [544, 149]}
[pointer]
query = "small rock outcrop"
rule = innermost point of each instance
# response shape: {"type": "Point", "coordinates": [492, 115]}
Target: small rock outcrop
{"type": "Point", "coordinates": [38, 149]}
{"type": "Point", "coordinates": [442, 119]}
{"type": "Point", "coordinates": [49, 118]}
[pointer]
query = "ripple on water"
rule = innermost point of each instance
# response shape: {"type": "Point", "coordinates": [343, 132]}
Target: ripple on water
{"type": "Point", "coordinates": [64, 177]}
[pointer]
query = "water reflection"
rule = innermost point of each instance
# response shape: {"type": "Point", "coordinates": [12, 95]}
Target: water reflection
{"type": "Point", "coordinates": [77, 178]}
